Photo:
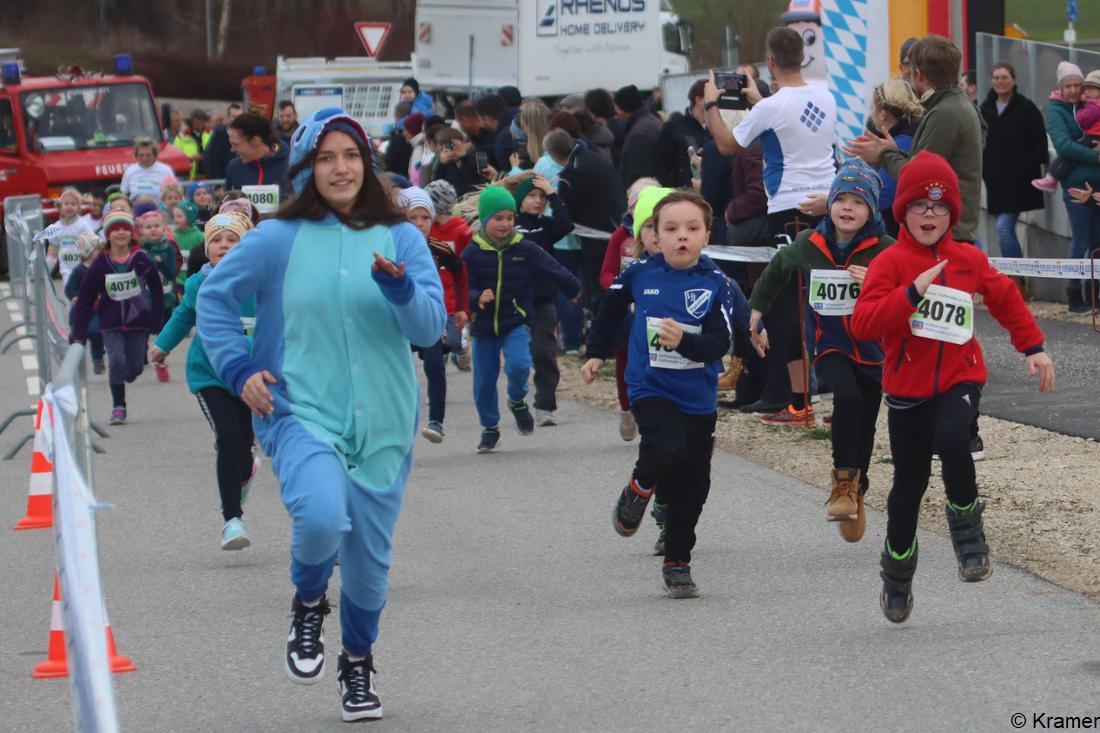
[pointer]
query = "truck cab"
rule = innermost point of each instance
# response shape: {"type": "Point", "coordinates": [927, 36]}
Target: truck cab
{"type": "Point", "coordinates": [74, 129]}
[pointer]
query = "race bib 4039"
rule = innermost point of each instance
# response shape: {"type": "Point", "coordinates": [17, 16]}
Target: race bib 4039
{"type": "Point", "coordinates": [833, 292]}
{"type": "Point", "coordinates": [944, 314]}
{"type": "Point", "coordinates": [662, 357]}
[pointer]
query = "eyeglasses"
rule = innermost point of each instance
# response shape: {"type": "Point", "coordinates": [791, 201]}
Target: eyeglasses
{"type": "Point", "coordinates": [920, 208]}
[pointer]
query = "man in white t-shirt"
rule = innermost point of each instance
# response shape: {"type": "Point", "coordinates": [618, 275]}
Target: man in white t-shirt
{"type": "Point", "coordinates": [795, 127]}
{"type": "Point", "coordinates": [144, 177]}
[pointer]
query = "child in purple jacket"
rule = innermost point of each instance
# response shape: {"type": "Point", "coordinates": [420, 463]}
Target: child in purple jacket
{"type": "Point", "coordinates": [122, 286]}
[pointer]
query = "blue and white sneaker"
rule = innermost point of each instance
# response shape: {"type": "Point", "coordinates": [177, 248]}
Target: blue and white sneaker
{"type": "Point", "coordinates": [233, 535]}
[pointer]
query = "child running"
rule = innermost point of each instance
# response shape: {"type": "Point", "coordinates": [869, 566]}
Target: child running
{"type": "Point", "coordinates": [683, 310]}
{"type": "Point", "coordinates": [543, 219]}
{"type": "Point", "coordinates": [918, 298]}
{"type": "Point", "coordinates": [420, 211]}
{"type": "Point", "coordinates": [626, 245]}
{"type": "Point", "coordinates": [123, 287]}
{"type": "Point", "coordinates": [453, 231]}
{"type": "Point", "coordinates": [835, 256]}
{"type": "Point", "coordinates": [61, 240]}
{"type": "Point", "coordinates": [88, 246]}
{"type": "Point", "coordinates": [229, 418]}
{"type": "Point", "coordinates": [503, 268]}
{"type": "Point", "coordinates": [165, 256]}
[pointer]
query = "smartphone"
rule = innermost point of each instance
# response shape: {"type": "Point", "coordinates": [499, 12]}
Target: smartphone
{"type": "Point", "coordinates": [730, 82]}
{"type": "Point", "coordinates": [482, 160]}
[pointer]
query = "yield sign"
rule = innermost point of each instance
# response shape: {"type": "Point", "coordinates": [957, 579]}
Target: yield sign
{"type": "Point", "coordinates": [373, 36]}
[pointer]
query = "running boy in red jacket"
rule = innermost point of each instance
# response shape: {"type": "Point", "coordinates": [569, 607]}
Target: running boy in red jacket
{"type": "Point", "coordinates": [918, 298]}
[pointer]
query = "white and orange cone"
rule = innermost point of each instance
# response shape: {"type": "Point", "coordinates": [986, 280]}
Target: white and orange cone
{"type": "Point", "coordinates": [40, 496]}
{"type": "Point", "coordinates": [57, 662]}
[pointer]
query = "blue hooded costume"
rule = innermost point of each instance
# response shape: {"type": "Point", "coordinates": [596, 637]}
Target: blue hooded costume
{"type": "Point", "coordinates": [335, 335]}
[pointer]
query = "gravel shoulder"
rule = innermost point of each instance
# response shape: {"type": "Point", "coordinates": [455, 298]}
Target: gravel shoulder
{"type": "Point", "coordinates": [1040, 486]}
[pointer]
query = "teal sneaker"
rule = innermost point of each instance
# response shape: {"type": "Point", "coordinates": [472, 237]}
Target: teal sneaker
{"type": "Point", "coordinates": [233, 535]}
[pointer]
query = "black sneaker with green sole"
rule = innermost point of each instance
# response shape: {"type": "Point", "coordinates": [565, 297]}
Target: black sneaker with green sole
{"type": "Point", "coordinates": [490, 439]}
{"type": "Point", "coordinates": [525, 421]}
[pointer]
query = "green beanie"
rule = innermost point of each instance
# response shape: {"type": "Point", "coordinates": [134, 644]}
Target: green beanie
{"type": "Point", "coordinates": [647, 202]}
{"type": "Point", "coordinates": [524, 188]}
{"type": "Point", "coordinates": [492, 200]}
{"type": "Point", "coordinates": [190, 210]}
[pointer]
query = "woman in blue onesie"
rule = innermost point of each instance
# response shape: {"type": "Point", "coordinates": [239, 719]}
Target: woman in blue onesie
{"type": "Point", "coordinates": [342, 285]}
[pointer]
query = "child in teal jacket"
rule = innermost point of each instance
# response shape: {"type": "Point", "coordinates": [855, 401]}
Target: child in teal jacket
{"type": "Point", "coordinates": [229, 417]}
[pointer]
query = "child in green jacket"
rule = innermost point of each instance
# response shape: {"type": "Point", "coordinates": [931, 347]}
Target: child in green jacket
{"type": "Point", "coordinates": [835, 256]}
{"type": "Point", "coordinates": [228, 416]}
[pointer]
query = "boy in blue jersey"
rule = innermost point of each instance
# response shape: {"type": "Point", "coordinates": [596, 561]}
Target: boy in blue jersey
{"type": "Point", "coordinates": [684, 309]}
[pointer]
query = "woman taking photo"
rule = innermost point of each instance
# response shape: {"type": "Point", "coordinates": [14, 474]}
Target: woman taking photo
{"type": "Point", "coordinates": [342, 285]}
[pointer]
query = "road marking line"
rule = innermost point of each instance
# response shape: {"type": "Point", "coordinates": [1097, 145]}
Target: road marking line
{"type": "Point", "coordinates": [32, 386]}
{"type": "Point", "coordinates": [13, 305]}
{"type": "Point", "coordinates": [30, 362]}
{"type": "Point", "coordinates": [16, 317]}
{"type": "Point", "coordinates": [25, 345]}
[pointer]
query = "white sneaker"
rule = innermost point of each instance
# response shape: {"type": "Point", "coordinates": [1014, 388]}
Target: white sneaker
{"type": "Point", "coordinates": [545, 418]}
{"type": "Point", "coordinates": [628, 429]}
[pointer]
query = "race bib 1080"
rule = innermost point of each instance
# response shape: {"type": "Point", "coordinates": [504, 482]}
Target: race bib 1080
{"type": "Point", "coordinates": [833, 292]}
{"type": "Point", "coordinates": [265, 198]}
{"type": "Point", "coordinates": [662, 357]}
{"type": "Point", "coordinates": [944, 314]}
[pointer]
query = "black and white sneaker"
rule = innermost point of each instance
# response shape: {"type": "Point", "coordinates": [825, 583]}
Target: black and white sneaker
{"type": "Point", "coordinates": [357, 695]}
{"type": "Point", "coordinates": [305, 645]}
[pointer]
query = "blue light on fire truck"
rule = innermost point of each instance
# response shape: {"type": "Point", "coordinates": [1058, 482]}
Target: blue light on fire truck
{"type": "Point", "coordinates": [11, 74]}
{"type": "Point", "coordinates": [124, 64]}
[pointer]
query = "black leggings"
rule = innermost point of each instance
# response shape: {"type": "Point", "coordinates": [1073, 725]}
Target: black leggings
{"type": "Point", "coordinates": [940, 425]}
{"type": "Point", "coordinates": [856, 399]}
{"type": "Point", "coordinates": [231, 422]}
{"type": "Point", "coordinates": [674, 459]}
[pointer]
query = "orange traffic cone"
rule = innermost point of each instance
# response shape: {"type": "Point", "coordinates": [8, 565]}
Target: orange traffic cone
{"type": "Point", "coordinates": [57, 663]}
{"type": "Point", "coordinates": [40, 496]}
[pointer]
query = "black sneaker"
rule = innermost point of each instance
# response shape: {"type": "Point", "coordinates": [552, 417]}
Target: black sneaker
{"type": "Point", "coordinates": [659, 512]}
{"type": "Point", "coordinates": [305, 646]}
{"type": "Point", "coordinates": [678, 582]}
{"type": "Point", "coordinates": [356, 683]}
{"type": "Point", "coordinates": [968, 539]}
{"type": "Point", "coordinates": [490, 437]}
{"type": "Point", "coordinates": [896, 598]}
{"type": "Point", "coordinates": [98, 367]}
{"type": "Point", "coordinates": [630, 508]}
{"type": "Point", "coordinates": [525, 421]}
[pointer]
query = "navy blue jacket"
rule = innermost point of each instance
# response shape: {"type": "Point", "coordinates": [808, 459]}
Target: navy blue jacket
{"type": "Point", "coordinates": [503, 144]}
{"type": "Point", "coordinates": [511, 273]}
{"type": "Point", "coordinates": [700, 297]}
{"type": "Point", "coordinates": [545, 231]}
{"type": "Point", "coordinates": [269, 169]}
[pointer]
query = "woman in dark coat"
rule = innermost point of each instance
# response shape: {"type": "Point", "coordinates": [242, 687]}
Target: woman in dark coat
{"type": "Point", "coordinates": [1015, 150]}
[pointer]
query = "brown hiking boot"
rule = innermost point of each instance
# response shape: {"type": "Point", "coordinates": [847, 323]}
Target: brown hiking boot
{"type": "Point", "coordinates": [727, 380]}
{"type": "Point", "coordinates": [842, 503]}
{"type": "Point", "coordinates": [852, 529]}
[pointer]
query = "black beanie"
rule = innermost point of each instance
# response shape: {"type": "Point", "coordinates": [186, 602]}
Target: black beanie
{"type": "Point", "coordinates": [629, 99]}
{"type": "Point", "coordinates": [411, 82]}
{"type": "Point", "coordinates": [511, 96]}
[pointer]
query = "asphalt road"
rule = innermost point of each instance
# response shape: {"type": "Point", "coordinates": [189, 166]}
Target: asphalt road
{"type": "Point", "coordinates": [1074, 406]}
{"type": "Point", "coordinates": [515, 607]}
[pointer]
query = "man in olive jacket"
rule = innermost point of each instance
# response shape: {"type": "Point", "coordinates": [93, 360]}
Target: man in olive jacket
{"type": "Point", "coordinates": [950, 127]}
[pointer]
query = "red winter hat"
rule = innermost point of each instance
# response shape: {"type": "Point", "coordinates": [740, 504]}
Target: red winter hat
{"type": "Point", "coordinates": [927, 176]}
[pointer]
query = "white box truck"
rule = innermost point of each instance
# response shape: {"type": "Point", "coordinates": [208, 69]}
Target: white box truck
{"type": "Point", "coordinates": [548, 48]}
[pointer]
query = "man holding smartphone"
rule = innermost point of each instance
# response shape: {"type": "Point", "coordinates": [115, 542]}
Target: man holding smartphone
{"type": "Point", "coordinates": [795, 127]}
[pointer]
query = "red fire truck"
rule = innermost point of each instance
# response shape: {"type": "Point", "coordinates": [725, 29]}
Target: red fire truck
{"type": "Point", "coordinates": [74, 129]}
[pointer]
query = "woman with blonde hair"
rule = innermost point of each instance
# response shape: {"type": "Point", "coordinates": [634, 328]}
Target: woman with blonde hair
{"type": "Point", "coordinates": [894, 109]}
{"type": "Point", "coordinates": [533, 120]}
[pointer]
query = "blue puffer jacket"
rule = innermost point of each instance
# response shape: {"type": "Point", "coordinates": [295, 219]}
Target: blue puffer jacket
{"type": "Point", "coordinates": [511, 272]}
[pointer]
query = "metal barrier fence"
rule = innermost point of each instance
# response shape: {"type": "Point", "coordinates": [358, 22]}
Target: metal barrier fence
{"type": "Point", "coordinates": [46, 317]}
{"type": "Point", "coordinates": [65, 436]}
